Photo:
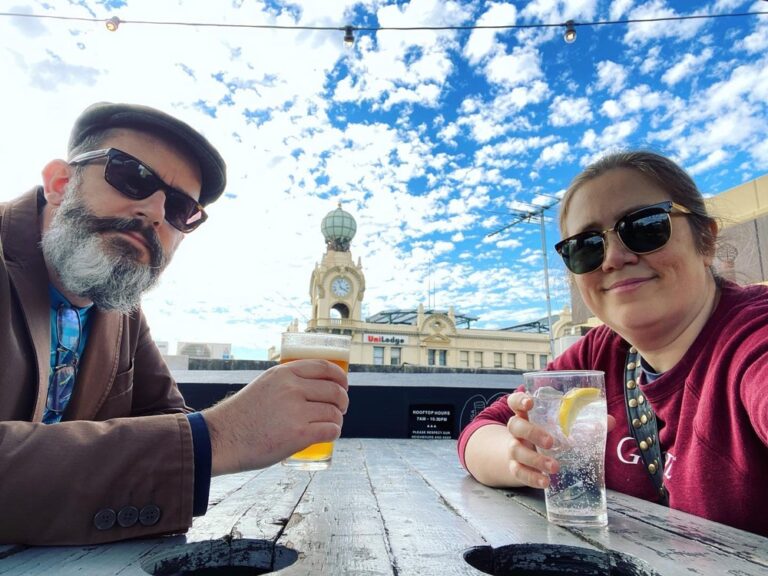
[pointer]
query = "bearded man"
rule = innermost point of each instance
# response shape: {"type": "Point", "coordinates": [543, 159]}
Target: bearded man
{"type": "Point", "coordinates": [96, 442]}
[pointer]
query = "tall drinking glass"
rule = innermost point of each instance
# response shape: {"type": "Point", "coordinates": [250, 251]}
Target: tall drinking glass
{"type": "Point", "coordinates": [311, 345]}
{"type": "Point", "coordinates": [571, 406]}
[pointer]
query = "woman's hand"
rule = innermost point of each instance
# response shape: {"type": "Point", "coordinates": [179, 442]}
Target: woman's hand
{"type": "Point", "coordinates": [526, 465]}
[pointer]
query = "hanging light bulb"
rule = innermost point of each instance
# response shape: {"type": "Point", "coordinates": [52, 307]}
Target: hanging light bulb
{"type": "Point", "coordinates": [349, 38]}
{"type": "Point", "coordinates": [113, 23]}
{"type": "Point", "coordinates": [570, 32]}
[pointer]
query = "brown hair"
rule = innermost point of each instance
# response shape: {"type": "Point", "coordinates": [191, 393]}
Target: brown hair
{"type": "Point", "coordinates": [664, 173]}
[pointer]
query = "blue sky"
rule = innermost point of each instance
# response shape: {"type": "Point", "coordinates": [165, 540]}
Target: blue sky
{"type": "Point", "coordinates": [431, 139]}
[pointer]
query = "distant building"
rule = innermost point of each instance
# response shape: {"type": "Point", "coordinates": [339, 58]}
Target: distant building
{"type": "Point", "coordinates": [162, 346]}
{"type": "Point", "coordinates": [204, 350]}
{"type": "Point", "coordinates": [419, 336]}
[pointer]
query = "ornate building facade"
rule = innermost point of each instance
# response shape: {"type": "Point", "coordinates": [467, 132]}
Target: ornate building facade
{"type": "Point", "coordinates": [419, 337]}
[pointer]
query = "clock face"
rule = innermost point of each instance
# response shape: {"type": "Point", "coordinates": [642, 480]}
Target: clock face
{"type": "Point", "coordinates": [341, 286]}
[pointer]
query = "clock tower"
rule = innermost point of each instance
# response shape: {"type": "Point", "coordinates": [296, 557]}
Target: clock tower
{"type": "Point", "coordinates": [337, 285]}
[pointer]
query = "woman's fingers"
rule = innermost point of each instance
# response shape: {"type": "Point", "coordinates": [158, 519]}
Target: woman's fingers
{"type": "Point", "coordinates": [526, 464]}
{"type": "Point", "coordinates": [520, 403]}
{"type": "Point", "coordinates": [521, 428]}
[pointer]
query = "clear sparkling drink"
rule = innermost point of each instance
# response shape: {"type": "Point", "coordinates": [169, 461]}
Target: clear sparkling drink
{"type": "Point", "coordinates": [577, 420]}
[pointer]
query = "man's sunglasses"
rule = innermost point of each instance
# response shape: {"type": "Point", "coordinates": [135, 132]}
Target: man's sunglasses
{"type": "Point", "coordinates": [642, 231]}
{"type": "Point", "coordinates": [134, 179]}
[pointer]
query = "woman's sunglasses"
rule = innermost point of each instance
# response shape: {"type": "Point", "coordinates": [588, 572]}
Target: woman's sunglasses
{"type": "Point", "coordinates": [641, 231]}
{"type": "Point", "coordinates": [134, 179]}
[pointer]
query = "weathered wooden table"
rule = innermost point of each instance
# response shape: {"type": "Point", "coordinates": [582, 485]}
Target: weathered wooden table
{"type": "Point", "coordinates": [404, 508]}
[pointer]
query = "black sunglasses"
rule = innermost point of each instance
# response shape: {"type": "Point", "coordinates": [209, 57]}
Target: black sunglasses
{"type": "Point", "coordinates": [642, 231]}
{"type": "Point", "coordinates": [134, 179]}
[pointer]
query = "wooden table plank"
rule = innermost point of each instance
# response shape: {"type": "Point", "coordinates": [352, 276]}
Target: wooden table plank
{"type": "Point", "coordinates": [123, 558]}
{"type": "Point", "coordinates": [425, 536]}
{"type": "Point", "coordinates": [739, 543]}
{"type": "Point", "coordinates": [480, 505]}
{"type": "Point", "coordinates": [337, 528]}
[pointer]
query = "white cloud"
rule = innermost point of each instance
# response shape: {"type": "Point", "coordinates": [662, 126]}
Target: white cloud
{"type": "Point", "coordinates": [640, 33]}
{"type": "Point", "coordinates": [610, 76]}
{"type": "Point", "coordinates": [611, 108]}
{"type": "Point", "coordinates": [619, 8]}
{"type": "Point", "coordinates": [714, 159]}
{"type": "Point", "coordinates": [760, 154]}
{"type": "Point", "coordinates": [566, 111]}
{"type": "Point", "coordinates": [553, 154]}
{"type": "Point", "coordinates": [650, 60]}
{"type": "Point", "coordinates": [613, 136]}
{"type": "Point", "coordinates": [509, 243]}
{"type": "Point", "coordinates": [689, 65]}
{"type": "Point", "coordinates": [520, 67]}
{"type": "Point", "coordinates": [482, 42]}
{"type": "Point", "coordinates": [635, 100]}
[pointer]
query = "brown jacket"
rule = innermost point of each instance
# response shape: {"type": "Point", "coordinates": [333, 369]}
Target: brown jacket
{"type": "Point", "coordinates": [124, 445]}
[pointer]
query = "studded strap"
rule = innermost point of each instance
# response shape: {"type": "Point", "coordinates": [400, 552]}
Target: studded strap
{"type": "Point", "coordinates": [642, 425]}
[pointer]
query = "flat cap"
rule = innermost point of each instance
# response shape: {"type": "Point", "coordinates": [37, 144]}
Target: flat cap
{"type": "Point", "coordinates": [106, 115]}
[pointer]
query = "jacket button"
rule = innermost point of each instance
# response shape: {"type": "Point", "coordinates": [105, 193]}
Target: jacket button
{"type": "Point", "coordinates": [149, 515]}
{"type": "Point", "coordinates": [104, 519]}
{"type": "Point", "coordinates": [128, 516]}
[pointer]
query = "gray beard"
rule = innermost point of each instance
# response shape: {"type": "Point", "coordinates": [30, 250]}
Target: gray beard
{"type": "Point", "coordinates": [90, 264]}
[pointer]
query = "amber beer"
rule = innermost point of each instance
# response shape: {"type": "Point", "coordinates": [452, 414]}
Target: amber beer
{"type": "Point", "coordinates": [307, 346]}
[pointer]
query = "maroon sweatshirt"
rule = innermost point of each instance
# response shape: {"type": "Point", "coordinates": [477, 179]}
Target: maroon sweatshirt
{"type": "Point", "coordinates": [712, 409]}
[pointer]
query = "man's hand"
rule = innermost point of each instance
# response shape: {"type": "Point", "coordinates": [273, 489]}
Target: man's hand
{"type": "Point", "coordinates": [284, 410]}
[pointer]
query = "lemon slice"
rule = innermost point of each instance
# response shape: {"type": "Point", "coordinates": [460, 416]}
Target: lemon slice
{"type": "Point", "coordinates": [573, 401]}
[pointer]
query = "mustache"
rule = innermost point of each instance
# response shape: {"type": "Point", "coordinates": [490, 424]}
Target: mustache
{"type": "Point", "coordinates": [102, 224]}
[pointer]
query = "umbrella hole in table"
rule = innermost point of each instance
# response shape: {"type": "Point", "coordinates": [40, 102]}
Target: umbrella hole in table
{"type": "Point", "coordinates": [222, 557]}
{"type": "Point", "coordinates": [554, 560]}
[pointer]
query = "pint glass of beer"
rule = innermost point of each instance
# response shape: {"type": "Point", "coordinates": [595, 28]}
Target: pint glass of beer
{"type": "Point", "coordinates": [312, 345]}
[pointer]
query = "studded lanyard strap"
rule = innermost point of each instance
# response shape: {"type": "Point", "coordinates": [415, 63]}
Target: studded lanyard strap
{"type": "Point", "coordinates": [642, 425]}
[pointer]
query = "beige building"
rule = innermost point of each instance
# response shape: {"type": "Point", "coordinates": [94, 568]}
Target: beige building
{"type": "Point", "coordinates": [742, 250]}
{"type": "Point", "coordinates": [420, 337]}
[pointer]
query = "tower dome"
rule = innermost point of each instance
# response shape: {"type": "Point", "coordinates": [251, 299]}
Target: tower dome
{"type": "Point", "coordinates": [338, 228]}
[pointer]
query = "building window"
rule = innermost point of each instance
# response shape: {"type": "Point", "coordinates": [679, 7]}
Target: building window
{"type": "Point", "coordinates": [543, 358]}
{"type": "Point", "coordinates": [478, 359]}
{"type": "Point", "coordinates": [394, 356]}
{"type": "Point", "coordinates": [378, 355]}
{"type": "Point", "coordinates": [464, 358]}
{"type": "Point", "coordinates": [437, 357]}
{"type": "Point", "coordinates": [511, 361]}
{"type": "Point", "coordinates": [497, 359]}
{"type": "Point", "coordinates": [529, 360]}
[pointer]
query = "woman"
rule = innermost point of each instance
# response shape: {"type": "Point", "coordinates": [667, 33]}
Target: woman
{"type": "Point", "coordinates": [639, 244]}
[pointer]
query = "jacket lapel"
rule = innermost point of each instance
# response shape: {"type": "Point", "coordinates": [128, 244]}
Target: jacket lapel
{"type": "Point", "coordinates": [26, 267]}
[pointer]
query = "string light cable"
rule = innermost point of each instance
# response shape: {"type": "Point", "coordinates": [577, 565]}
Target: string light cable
{"type": "Point", "coordinates": [113, 23]}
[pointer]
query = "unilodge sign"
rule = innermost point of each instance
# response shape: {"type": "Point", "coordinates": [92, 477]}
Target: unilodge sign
{"type": "Point", "coordinates": [381, 339]}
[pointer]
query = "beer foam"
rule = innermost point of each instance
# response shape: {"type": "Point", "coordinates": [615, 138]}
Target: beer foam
{"type": "Point", "coordinates": [293, 352]}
